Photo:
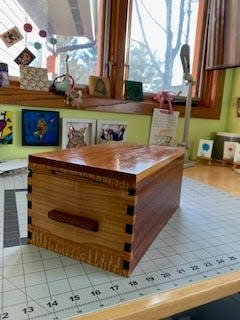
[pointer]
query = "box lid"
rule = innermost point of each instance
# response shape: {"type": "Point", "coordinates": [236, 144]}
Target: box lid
{"type": "Point", "coordinates": [119, 158]}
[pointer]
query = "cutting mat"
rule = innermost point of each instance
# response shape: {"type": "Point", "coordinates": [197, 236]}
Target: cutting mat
{"type": "Point", "coordinates": [200, 241]}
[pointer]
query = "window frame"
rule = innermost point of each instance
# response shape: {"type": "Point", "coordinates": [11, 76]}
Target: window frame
{"type": "Point", "coordinates": [207, 106]}
{"type": "Point", "coordinates": [209, 103]}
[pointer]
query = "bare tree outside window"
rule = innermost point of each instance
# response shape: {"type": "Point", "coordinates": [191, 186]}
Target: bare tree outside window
{"type": "Point", "coordinates": [158, 30]}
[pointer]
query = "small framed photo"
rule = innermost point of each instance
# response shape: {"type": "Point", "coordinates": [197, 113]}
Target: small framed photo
{"type": "Point", "coordinates": [205, 148]}
{"type": "Point", "coordinates": [111, 130]}
{"type": "Point", "coordinates": [25, 57]}
{"type": "Point", "coordinates": [77, 133]}
{"type": "Point", "coordinates": [99, 87]}
{"type": "Point", "coordinates": [229, 148]}
{"type": "Point", "coordinates": [11, 36]}
{"type": "Point", "coordinates": [237, 154]}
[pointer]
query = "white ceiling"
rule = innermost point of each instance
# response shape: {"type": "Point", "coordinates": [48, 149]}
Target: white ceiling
{"type": "Point", "coordinates": [63, 17]}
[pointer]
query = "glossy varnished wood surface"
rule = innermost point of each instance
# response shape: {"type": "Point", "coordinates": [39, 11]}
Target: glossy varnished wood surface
{"type": "Point", "coordinates": [122, 158]}
{"type": "Point", "coordinates": [120, 186]}
{"type": "Point", "coordinates": [158, 197]}
{"type": "Point", "coordinates": [160, 306]}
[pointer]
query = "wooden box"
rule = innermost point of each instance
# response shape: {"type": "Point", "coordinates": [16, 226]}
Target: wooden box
{"type": "Point", "coordinates": [103, 204]}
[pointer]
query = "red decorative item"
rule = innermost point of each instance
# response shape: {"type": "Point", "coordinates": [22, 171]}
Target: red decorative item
{"type": "Point", "coordinates": [27, 27]}
{"type": "Point", "coordinates": [51, 63]}
{"type": "Point", "coordinates": [43, 33]}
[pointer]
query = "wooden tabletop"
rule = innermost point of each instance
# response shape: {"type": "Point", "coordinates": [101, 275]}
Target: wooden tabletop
{"type": "Point", "coordinates": [162, 305]}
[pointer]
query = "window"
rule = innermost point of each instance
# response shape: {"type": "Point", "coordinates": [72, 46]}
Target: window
{"type": "Point", "coordinates": [51, 30]}
{"type": "Point", "coordinates": [158, 30]}
{"type": "Point", "coordinates": [107, 43]}
{"type": "Point", "coordinates": [210, 83]}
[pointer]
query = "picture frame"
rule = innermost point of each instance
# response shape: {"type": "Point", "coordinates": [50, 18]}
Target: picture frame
{"type": "Point", "coordinates": [99, 87]}
{"type": "Point", "coordinates": [111, 130]}
{"type": "Point", "coordinates": [25, 57]}
{"type": "Point", "coordinates": [40, 128]}
{"type": "Point", "coordinates": [163, 127]}
{"type": "Point", "coordinates": [11, 37]}
{"type": "Point", "coordinates": [236, 158]}
{"type": "Point", "coordinates": [6, 127]}
{"type": "Point", "coordinates": [32, 78]}
{"type": "Point", "coordinates": [205, 148]}
{"type": "Point", "coordinates": [229, 148]}
{"type": "Point", "coordinates": [78, 133]}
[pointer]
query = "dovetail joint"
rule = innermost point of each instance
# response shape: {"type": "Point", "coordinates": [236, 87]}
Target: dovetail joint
{"type": "Point", "coordinates": [125, 264]}
{"type": "Point", "coordinates": [29, 204]}
{"type": "Point", "coordinates": [129, 228]}
{"type": "Point", "coordinates": [130, 210]}
{"type": "Point", "coordinates": [29, 188]}
{"type": "Point", "coordinates": [132, 192]}
{"type": "Point", "coordinates": [127, 247]}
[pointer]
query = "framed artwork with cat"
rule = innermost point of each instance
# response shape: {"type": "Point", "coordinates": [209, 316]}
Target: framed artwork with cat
{"type": "Point", "coordinates": [77, 133]}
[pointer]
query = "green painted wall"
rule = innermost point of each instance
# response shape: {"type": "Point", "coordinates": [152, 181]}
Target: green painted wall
{"type": "Point", "coordinates": [233, 121]}
{"type": "Point", "coordinates": [138, 125]}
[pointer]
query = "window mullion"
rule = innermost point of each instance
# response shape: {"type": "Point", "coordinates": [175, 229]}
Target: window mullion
{"type": "Point", "coordinates": [119, 10]}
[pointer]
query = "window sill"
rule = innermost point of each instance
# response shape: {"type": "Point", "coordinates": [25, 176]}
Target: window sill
{"type": "Point", "coordinates": [209, 108]}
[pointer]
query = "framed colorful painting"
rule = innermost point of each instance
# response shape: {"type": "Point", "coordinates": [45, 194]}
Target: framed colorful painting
{"type": "Point", "coordinates": [78, 133]}
{"type": "Point", "coordinates": [40, 128]}
{"type": "Point", "coordinates": [111, 130]}
{"type": "Point", "coordinates": [6, 128]}
{"type": "Point", "coordinates": [205, 148]}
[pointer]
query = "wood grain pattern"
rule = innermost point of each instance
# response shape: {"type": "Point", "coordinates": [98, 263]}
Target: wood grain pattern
{"type": "Point", "coordinates": [130, 190]}
{"type": "Point", "coordinates": [162, 305]}
{"type": "Point", "coordinates": [158, 199]}
{"type": "Point", "coordinates": [120, 160]}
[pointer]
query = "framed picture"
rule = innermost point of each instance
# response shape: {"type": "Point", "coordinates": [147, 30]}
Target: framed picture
{"type": "Point", "coordinates": [163, 127]}
{"type": "Point", "coordinates": [6, 127]}
{"type": "Point", "coordinates": [99, 87]}
{"type": "Point", "coordinates": [32, 78]}
{"type": "Point", "coordinates": [236, 158]}
{"type": "Point", "coordinates": [25, 57]}
{"type": "Point", "coordinates": [111, 130]}
{"type": "Point", "coordinates": [40, 128]}
{"type": "Point", "coordinates": [229, 148]}
{"type": "Point", "coordinates": [78, 133]}
{"type": "Point", "coordinates": [11, 36]}
{"type": "Point", "coordinates": [205, 148]}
